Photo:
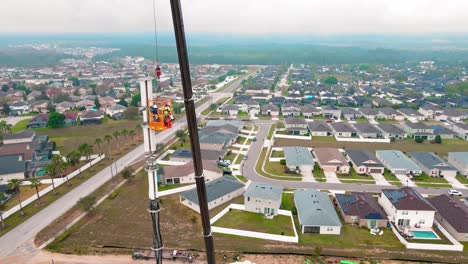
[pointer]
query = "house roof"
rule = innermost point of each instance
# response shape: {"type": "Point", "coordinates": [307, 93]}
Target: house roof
{"type": "Point", "coordinates": [460, 156]}
{"type": "Point", "coordinates": [454, 112]}
{"type": "Point", "coordinates": [360, 204]}
{"type": "Point", "coordinates": [368, 111]}
{"type": "Point", "coordinates": [309, 109]}
{"type": "Point", "coordinates": [264, 191]}
{"type": "Point", "coordinates": [187, 169]}
{"type": "Point", "coordinates": [418, 125]}
{"type": "Point", "coordinates": [71, 115]}
{"type": "Point", "coordinates": [397, 159]}
{"type": "Point", "coordinates": [27, 133]}
{"type": "Point", "coordinates": [12, 164]}
{"type": "Point", "coordinates": [26, 149]}
{"type": "Point", "coordinates": [290, 105]}
{"type": "Point", "coordinates": [452, 210]}
{"type": "Point", "coordinates": [390, 128]}
{"type": "Point", "coordinates": [215, 189]}
{"type": "Point", "coordinates": [431, 161]}
{"type": "Point", "coordinates": [230, 107]}
{"type": "Point", "coordinates": [441, 130]}
{"type": "Point", "coordinates": [388, 111]}
{"type": "Point", "coordinates": [235, 123]}
{"type": "Point", "coordinates": [409, 112]}
{"type": "Point", "coordinates": [330, 108]}
{"type": "Point", "coordinates": [343, 127]}
{"type": "Point", "coordinates": [319, 126]}
{"type": "Point", "coordinates": [349, 111]}
{"type": "Point", "coordinates": [270, 107]}
{"type": "Point", "coordinates": [294, 121]}
{"type": "Point", "coordinates": [41, 118]}
{"type": "Point", "coordinates": [314, 208]}
{"type": "Point", "coordinates": [117, 107]}
{"type": "Point", "coordinates": [66, 104]}
{"type": "Point", "coordinates": [407, 198]}
{"type": "Point", "coordinates": [329, 156]}
{"type": "Point", "coordinates": [366, 128]}
{"type": "Point", "coordinates": [91, 114]}
{"type": "Point", "coordinates": [363, 157]}
{"type": "Point", "coordinates": [297, 156]}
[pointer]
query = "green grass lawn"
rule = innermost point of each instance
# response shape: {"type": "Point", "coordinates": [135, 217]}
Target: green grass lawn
{"type": "Point", "coordinates": [21, 125]}
{"type": "Point", "coordinates": [324, 138]}
{"type": "Point", "coordinates": [353, 175]}
{"type": "Point", "coordinates": [318, 174]}
{"type": "Point", "coordinates": [271, 131]}
{"type": "Point", "coordinates": [357, 181]}
{"type": "Point", "coordinates": [258, 168]}
{"type": "Point", "coordinates": [396, 183]}
{"type": "Point", "coordinates": [170, 187]}
{"type": "Point", "coordinates": [237, 219]}
{"type": "Point", "coordinates": [241, 140]}
{"type": "Point", "coordinates": [389, 176]}
{"type": "Point", "coordinates": [436, 185]}
{"type": "Point", "coordinates": [239, 159]}
{"type": "Point", "coordinates": [242, 178]}
{"type": "Point", "coordinates": [462, 179]}
{"type": "Point", "coordinates": [361, 120]}
{"type": "Point", "coordinates": [287, 202]}
{"type": "Point", "coordinates": [230, 157]}
{"type": "Point", "coordinates": [424, 178]}
{"type": "Point", "coordinates": [167, 157]}
{"type": "Point", "coordinates": [277, 154]}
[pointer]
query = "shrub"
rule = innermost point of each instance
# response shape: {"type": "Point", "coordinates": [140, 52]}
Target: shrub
{"type": "Point", "coordinates": [419, 140]}
{"type": "Point", "coordinates": [283, 162]}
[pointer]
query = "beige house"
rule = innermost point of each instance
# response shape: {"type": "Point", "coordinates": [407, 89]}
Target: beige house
{"type": "Point", "coordinates": [185, 174]}
{"type": "Point", "coordinates": [452, 215]}
{"type": "Point", "coordinates": [331, 159]}
{"type": "Point", "coordinates": [263, 198]}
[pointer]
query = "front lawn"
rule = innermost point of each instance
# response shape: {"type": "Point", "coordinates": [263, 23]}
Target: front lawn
{"type": "Point", "coordinates": [318, 174]}
{"type": "Point", "coordinates": [424, 178]}
{"type": "Point", "coordinates": [389, 176]}
{"type": "Point", "coordinates": [277, 154]}
{"type": "Point", "coordinates": [21, 125]}
{"type": "Point", "coordinates": [434, 185]}
{"type": "Point", "coordinates": [287, 202]}
{"type": "Point", "coordinates": [353, 175]}
{"type": "Point", "coordinates": [237, 219]}
{"type": "Point", "coordinates": [271, 131]}
{"type": "Point", "coordinates": [462, 179]}
{"type": "Point", "coordinates": [357, 181]}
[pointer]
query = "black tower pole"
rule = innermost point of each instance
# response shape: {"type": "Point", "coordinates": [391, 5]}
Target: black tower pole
{"type": "Point", "coordinates": [192, 126]}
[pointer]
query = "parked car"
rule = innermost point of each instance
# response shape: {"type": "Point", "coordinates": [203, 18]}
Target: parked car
{"type": "Point", "coordinates": [454, 193]}
{"type": "Point", "coordinates": [245, 157]}
{"type": "Point", "coordinates": [224, 163]}
{"type": "Point", "coordinates": [330, 120]}
{"type": "Point", "coordinates": [254, 139]}
{"type": "Point", "coordinates": [227, 172]}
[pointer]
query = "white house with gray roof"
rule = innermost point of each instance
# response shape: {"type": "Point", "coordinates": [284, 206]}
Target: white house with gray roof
{"type": "Point", "coordinates": [298, 159]}
{"type": "Point", "coordinates": [218, 191]}
{"type": "Point", "coordinates": [263, 198]}
{"type": "Point", "coordinates": [433, 165]}
{"type": "Point", "coordinates": [316, 213]}
{"type": "Point", "coordinates": [364, 162]}
{"type": "Point", "coordinates": [319, 128]}
{"type": "Point", "coordinates": [398, 163]}
{"type": "Point", "coordinates": [391, 131]}
{"type": "Point", "coordinates": [367, 130]}
{"type": "Point", "coordinates": [460, 161]}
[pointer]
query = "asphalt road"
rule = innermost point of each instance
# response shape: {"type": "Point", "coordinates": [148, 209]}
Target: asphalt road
{"type": "Point", "coordinates": [28, 229]}
{"type": "Point", "coordinates": [256, 148]}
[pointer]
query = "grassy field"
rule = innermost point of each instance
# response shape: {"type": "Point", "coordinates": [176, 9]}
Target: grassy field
{"type": "Point", "coordinates": [357, 181]}
{"type": "Point", "coordinates": [462, 179]}
{"type": "Point", "coordinates": [21, 125]}
{"type": "Point", "coordinates": [110, 226]}
{"type": "Point", "coordinates": [258, 168]}
{"type": "Point", "coordinates": [271, 131]}
{"type": "Point", "coordinates": [318, 174]}
{"type": "Point", "coordinates": [237, 219]}
{"type": "Point", "coordinates": [276, 168]}
{"type": "Point", "coordinates": [324, 138]}
{"type": "Point", "coordinates": [287, 202]}
{"type": "Point", "coordinates": [239, 159]}
{"type": "Point", "coordinates": [277, 154]}
{"type": "Point", "coordinates": [389, 176]}
{"type": "Point", "coordinates": [439, 185]}
{"type": "Point", "coordinates": [441, 149]}
{"type": "Point", "coordinates": [424, 178]}
{"type": "Point", "coordinates": [69, 138]}
{"type": "Point", "coordinates": [25, 193]}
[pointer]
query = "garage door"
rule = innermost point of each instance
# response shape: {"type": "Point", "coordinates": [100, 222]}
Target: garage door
{"type": "Point", "coordinates": [312, 229]}
{"type": "Point", "coordinates": [376, 171]}
{"type": "Point", "coordinates": [329, 168]}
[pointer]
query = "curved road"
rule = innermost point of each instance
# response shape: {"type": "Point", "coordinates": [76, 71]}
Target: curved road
{"type": "Point", "coordinates": [256, 148]}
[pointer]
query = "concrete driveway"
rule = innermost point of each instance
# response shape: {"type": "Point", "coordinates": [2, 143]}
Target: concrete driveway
{"type": "Point", "coordinates": [379, 179]}
{"type": "Point", "coordinates": [331, 177]}
{"type": "Point", "coordinates": [13, 120]}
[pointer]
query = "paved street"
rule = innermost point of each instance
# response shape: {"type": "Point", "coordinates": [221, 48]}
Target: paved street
{"type": "Point", "coordinates": [25, 232]}
{"type": "Point", "coordinates": [256, 148]}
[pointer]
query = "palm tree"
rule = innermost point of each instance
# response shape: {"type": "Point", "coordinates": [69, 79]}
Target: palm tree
{"type": "Point", "coordinates": [15, 184]}
{"type": "Point", "coordinates": [116, 135]}
{"type": "Point", "coordinates": [98, 142]}
{"type": "Point", "coordinates": [35, 183]}
{"type": "Point", "coordinates": [131, 133]}
{"type": "Point", "coordinates": [51, 170]}
{"type": "Point", "coordinates": [63, 167]}
{"type": "Point", "coordinates": [108, 138]}
{"type": "Point", "coordinates": [139, 129]}
{"type": "Point", "coordinates": [124, 133]}
{"type": "Point", "coordinates": [85, 150]}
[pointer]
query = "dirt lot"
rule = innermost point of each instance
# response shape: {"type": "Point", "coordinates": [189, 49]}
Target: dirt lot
{"type": "Point", "coordinates": [123, 223]}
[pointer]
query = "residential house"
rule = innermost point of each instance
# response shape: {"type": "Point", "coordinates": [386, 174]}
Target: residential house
{"type": "Point", "coordinates": [428, 110]}
{"type": "Point", "coordinates": [13, 167]}
{"type": "Point", "coordinates": [298, 159]}
{"type": "Point", "coordinates": [253, 107]}
{"type": "Point", "coordinates": [64, 106]}
{"type": "Point", "coordinates": [369, 113]}
{"type": "Point", "coordinates": [116, 112]}
{"type": "Point", "coordinates": [331, 111]}
{"type": "Point", "coordinates": [397, 162]}
{"type": "Point", "coordinates": [231, 110]}
{"type": "Point", "coordinates": [263, 198]}
{"type": "Point", "coordinates": [391, 131]}
{"type": "Point", "coordinates": [316, 213]}
{"type": "Point", "coordinates": [182, 155]}
{"type": "Point", "coordinates": [19, 108]}
{"type": "Point", "coordinates": [218, 191]}
{"type": "Point", "coordinates": [444, 132]}
{"type": "Point", "coordinates": [39, 106]}
{"type": "Point", "coordinates": [461, 129]}
{"type": "Point", "coordinates": [411, 114]}
{"type": "Point", "coordinates": [364, 162]}
{"type": "Point", "coordinates": [296, 126]}
{"type": "Point", "coordinates": [381, 102]}
{"type": "Point", "coordinates": [32, 95]}
{"type": "Point", "coordinates": [453, 115]}
{"type": "Point", "coordinates": [319, 128]}
{"type": "Point", "coordinates": [433, 165]}
{"type": "Point", "coordinates": [106, 102]}
{"type": "Point", "coordinates": [350, 113]}
{"type": "Point", "coordinates": [24, 136]}
{"type": "Point", "coordinates": [270, 110]}
{"type": "Point", "coordinates": [390, 114]}
{"type": "Point", "coordinates": [40, 121]}
{"type": "Point", "coordinates": [452, 214]}
{"type": "Point", "coordinates": [368, 130]}
{"type": "Point", "coordinates": [309, 111]}
{"type": "Point", "coordinates": [460, 161]}
{"type": "Point", "coordinates": [419, 130]}
{"type": "Point", "coordinates": [70, 118]}
{"type": "Point", "coordinates": [343, 129]}
{"type": "Point", "coordinates": [361, 209]}
{"type": "Point", "coordinates": [91, 117]}
{"type": "Point", "coordinates": [85, 104]}
{"type": "Point", "coordinates": [290, 109]}
{"type": "Point", "coordinates": [406, 207]}
{"type": "Point", "coordinates": [184, 174]}
{"type": "Point", "coordinates": [331, 159]}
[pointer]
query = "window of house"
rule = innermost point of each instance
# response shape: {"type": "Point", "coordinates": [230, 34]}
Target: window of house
{"type": "Point", "coordinates": [248, 199]}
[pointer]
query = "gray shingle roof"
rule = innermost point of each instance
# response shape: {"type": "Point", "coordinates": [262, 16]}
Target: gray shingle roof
{"type": "Point", "coordinates": [397, 159]}
{"type": "Point", "coordinates": [431, 161]}
{"type": "Point", "coordinates": [28, 133]}
{"type": "Point", "coordinates": [235, 123]}
{"type": "Point", "coordinates": [314, 208]}
{"type": "Point", "coordinates": [452, 210]}
{"type": "Point", "coordinates": [418, 125]}
{"type": "Point", "coordinates": [368, 111]}
{"type": "Point", "coordinates": [343, 127]}
{"type": "Point", "coordinates": [319, 126]}
{"type": "Point", "coordinates": [297, 156]}
{"type": "Point", "coordinates": [363, 157]}
{"type": "Point", "coordinates": [390, 128]}
{"type": "Point", "coordinates": [264, 191]}
{"type": "Point", "coordinates": [214, 189]}
{"type": "Point", "coordinates": [11, 164]}
{"type": "Point", "coordinates": [294, 121]}
{"type": "Point", "coordinates": [366, 128]}
{"type": "Point", "coordinates": [460, 156]}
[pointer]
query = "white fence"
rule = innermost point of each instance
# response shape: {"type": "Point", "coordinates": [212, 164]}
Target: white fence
{"type": "Point", "coordinates": [238, 232]}
{"type": "Point", "coordinates": [292, 136]}
{"type": "Point", "coordinates": [278, 159]}
{"type": "Point", "coordinates": [370, 140]}
{"type": "Point", "coordinates": [455, 247]}
{"type": "Point", "coordinates": [57, 183]}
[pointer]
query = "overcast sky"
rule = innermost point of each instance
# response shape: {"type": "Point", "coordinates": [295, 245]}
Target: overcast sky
{"type": "Point", "coordinates": [238, 16]}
